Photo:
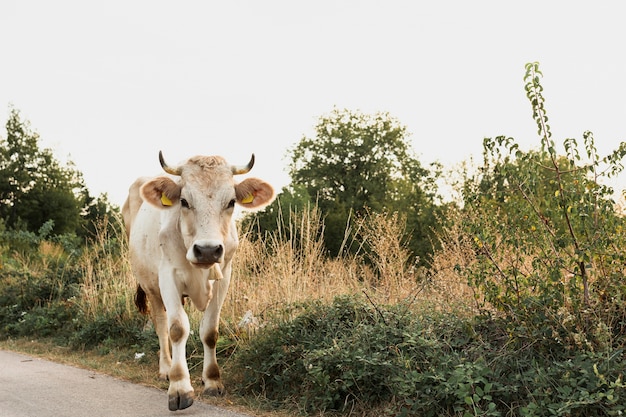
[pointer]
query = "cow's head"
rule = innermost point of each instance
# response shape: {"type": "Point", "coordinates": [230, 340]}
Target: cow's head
{"type": "Point", "coordinates": [202, 201]}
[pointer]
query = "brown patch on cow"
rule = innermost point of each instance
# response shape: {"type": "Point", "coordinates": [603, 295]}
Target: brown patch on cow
{"type": "Point", "coordinates": [176, 332]}
{"type": "Point", "coordinates": [211, 338]}
{"type": "Point", "coordinates": [213, 372]}
{"type": "Point", "coordinates": [177, 373]}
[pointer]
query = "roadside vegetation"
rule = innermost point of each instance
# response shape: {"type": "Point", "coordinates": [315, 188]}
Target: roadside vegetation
{"type": "Point", "coordinates": [509, 302]}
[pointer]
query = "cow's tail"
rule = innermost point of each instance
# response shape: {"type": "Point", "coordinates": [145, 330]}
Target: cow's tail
{"type": "Point", "coordinates": [140, 300]}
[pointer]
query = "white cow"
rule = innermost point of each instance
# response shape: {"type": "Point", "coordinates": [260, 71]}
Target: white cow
{"type": "Point", "coordinates": [182, 239]}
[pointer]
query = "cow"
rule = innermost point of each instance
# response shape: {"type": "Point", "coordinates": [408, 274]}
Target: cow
{"type": "Point", "coordinates": [182, 238]}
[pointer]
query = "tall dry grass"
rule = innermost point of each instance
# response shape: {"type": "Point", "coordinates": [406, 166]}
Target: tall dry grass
{"type": "Point", "coordinates": [287, 266]}
{"type": "Point", "coordinates": [108, 285]}
{"type": "Point", "coordinates": [448, 289]}
{"type": "Point", "coordinates": [290, 266]}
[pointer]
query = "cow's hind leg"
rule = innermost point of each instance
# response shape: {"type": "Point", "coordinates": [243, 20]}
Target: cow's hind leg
{"type": "Point", "coordinates": [159, 320]}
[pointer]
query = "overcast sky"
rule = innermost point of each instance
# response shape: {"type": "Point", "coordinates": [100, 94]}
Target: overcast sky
{"type": "Point", "coordinates": [110, 83]}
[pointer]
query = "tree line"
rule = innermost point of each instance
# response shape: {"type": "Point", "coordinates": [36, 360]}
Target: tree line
{"type": "Point", "coordinates": [356, 163]}
{"type": "Point", "coordinates": [39, 194]}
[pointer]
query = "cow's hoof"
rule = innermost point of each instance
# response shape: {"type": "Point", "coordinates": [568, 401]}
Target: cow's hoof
{"type": "Point", "coordinates": [213, 388]}
{"type": "Point", "coordinates": [214, 392]}
{"type": "Point", "coordinates": [180, 401]}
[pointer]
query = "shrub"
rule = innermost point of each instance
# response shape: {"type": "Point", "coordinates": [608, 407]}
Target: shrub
{"type": "Point", "coordinates": [355, 357]}
{"type": "Point", "coordinates": [338, 356]}
{"type": "Point", "coordinates": [55, 319]}
{"type": "Point", "coordinates": [79, 297]}
{"type": "Point", "coordinates": [112, 330]}
{"type": "Point", "coordinates": [547, 237]}
{"type": "Point", "coordinates": [38, 301]}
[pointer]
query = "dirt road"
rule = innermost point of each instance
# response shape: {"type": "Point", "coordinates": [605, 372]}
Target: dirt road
{"type": "Point", "coordinates": [32, 387]}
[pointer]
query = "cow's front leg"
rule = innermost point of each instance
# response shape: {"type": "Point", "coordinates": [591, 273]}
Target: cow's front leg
{"type": "Point", "coordinates": [209, 333]}
{"type": "Point", "coordinates": [180, 393]}
{"type": "Point", "coordinates": [210, 372]}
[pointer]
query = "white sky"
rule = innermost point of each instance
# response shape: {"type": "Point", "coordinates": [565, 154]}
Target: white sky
{"type": "Point", "coordinates": [111, 83]}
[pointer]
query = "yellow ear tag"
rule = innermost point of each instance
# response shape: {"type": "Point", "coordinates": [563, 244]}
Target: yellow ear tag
{"type": "Point", "coordinates": [165, 201]}
{"type": "Point", "coordinates": [249, 199]}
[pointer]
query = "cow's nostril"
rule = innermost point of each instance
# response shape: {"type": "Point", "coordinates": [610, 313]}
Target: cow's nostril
{"type": "Point", "coordinates": [208, 253]}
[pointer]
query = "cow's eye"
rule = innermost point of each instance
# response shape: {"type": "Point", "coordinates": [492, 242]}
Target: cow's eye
{"type": "Point", "coordinates": [231, 203]}
{"type": "Point", "coordinates": [184, 203]}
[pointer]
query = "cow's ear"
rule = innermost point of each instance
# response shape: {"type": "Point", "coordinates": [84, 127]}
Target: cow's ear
{"type": "Point", "coordinates": [161, 192]}
{"type": "Point", "coordinates": [254, 194]}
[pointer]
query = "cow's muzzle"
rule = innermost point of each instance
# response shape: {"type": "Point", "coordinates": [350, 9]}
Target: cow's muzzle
{"type": "Point", "coordinates": [206, 253]}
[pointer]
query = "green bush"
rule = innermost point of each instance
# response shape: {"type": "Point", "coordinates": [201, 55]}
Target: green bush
{"type": "Point", "coordinates": [585, 384]}
{"type": "Point", "coordinates": [43, 293]}
{"type": "Point", "coordinates": [112, 330]}
{"type": "Point", "coordinates": [548, 237]}
{"type": "Point", "coordinates": [55, 320]}
{"type": "Point", "coordinates": [351, 354]}
{"type": "Point", "coordinates": [37, 303]}
{"type": "Point", "coordinates": [334, 357]}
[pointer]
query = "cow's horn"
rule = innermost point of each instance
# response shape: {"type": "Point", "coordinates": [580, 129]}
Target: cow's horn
{"type": "Point", "coordinates": [244, 168]}
{"type": "Point", "coordinates": [166, 168]}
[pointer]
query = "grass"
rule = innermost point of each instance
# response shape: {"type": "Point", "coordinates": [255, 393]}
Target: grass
{"type": "Point", "coordinates": [289, 267]}
{"type": "Point", "coordinates": [413, 329]}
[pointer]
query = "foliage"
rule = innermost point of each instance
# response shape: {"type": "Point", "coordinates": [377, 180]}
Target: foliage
{"type": "Point", "coordinates": [36, 294]}
{"type": "Point", "coordinates": [389, 360]}
{"type": "Point", "coordinates": [98, 212]}
{"type": "Point", "coordinates": [82, 296]}
{"type": "Point", "coordinates": [538, 240]}
{"type": "Point", "coordinates": [110, 330]}
{"type": "Point", "coordinates": [106, 307]}
{"type": "Point", "coordinates": [359, 161]}
{"type": "Point", "coordinates": [290, 264]}
{"type": "Point", "coordinates": [35, 188]}
{"type": "Point", "coordinates": [265, 222]}
{"type": "Point", "coordinates": [548, 238]}
{"type": "Point", "coordinates": [21, 242]}
{"type": "Point", "coordinates": [354, 158]}
{"type": "Point", "coordinates": [321, 358]}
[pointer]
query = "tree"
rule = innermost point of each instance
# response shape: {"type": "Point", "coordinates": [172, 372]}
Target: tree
{"type": "Point", "coordinates": [353, 158]}
{"type": "Point", "coordinates": [34, 186]}
{"type": "Point", "coordinates": [358, 162]}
